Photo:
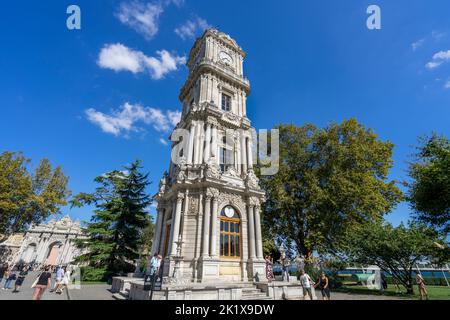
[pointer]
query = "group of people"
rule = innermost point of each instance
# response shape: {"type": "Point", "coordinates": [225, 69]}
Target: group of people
{"type": "Point", "coordinates": [323, 282]}
{"type": "Point", "coordinates": [306, 282]}
{"type": "Point", "coordinates": [17, 274]}
{"type": "Point", "coordinates": [13, 274]}
{"type": "Point", "coordinates": [153, 269]}
{"type": "Point", "coordinates": [44, 281]}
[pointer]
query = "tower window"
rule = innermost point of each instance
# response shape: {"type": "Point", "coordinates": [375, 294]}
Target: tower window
{"type": "Point", "coordinates": [230, 225]}
{"type": "Point", "coordinates": [226, 102]}
{"type": "Point", "coordinates": [226, 159]}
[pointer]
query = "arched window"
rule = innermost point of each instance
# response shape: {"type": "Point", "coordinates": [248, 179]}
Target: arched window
{"type": "Point", "coordinates": [230, 233]}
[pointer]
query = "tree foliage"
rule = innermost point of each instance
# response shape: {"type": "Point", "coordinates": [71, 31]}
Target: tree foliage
{"type": "Point", "coordinates": [429, 191]}
{"type": "Point", "coordinates": [330, 180]}
{"type": "Point", "coordinates": [29, 196]}
{"type": "Point", "coordinates": [117, 226]}
{"type": "Point", "coordinates": [393, 250]}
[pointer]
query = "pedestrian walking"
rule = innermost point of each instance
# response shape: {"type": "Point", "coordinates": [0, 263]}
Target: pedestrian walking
{"type": "Point", "coordinates": [324, 285]}
{"type": "Point", "coordinates": [306, 283]}
{"type": "Point", "coordinates": [20, 279]}
{"type": "Point", "coordinates": [422, 288]}
{"type": "Point", "coordinates": [285, 264]}
{"type": "Point", "coordinates": [42, 283]}
{"type": "Point", "coordinates": [58, 278]}
{"type": "Point", "coordinates": [269, 268]}
{"type": "Point", "coordinates": [3, 269]}
{"type": "Point", "coordinates": [65, 281]}
{"type": "Point", "coordinates": [10, 277]}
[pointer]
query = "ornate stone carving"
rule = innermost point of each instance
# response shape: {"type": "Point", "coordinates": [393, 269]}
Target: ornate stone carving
{"type": "Point", "coordinates": [227, 198]}
{"type": "Point", "coordinates": [193, 205]}
{"type": "Point", "coordinates": [253, 201]}
{"type": "Point", "coordinates": [212, 170]}
{"type": "Point", "coordinates": [163, 184]}
{"type": "Point", "coordinates": [212, 193]}
{"type": "Point", "coordinates": [252, 180]}
{"type": "Point", "coordinates": [231, 171]}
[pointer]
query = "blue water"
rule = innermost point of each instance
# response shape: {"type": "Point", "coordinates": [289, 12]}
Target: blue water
{"type": "Point", "coordinates": [425, 274]}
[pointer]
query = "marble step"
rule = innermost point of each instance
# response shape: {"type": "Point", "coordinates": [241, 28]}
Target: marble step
{"type": "Point", "coordinates": [259, 296]}
{"type": "Point", "coordinates": [122, 295]}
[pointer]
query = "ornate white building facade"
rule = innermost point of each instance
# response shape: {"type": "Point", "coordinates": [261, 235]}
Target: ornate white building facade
{"type": "Point", "coordinates": [208, 225]}
{"type": "Point", "coordinates": [50, 244]}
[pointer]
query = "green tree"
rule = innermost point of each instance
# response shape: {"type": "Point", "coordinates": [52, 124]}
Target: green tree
{"type": "Point", "coordinates": [330, 180]}
{"type": "Point", "coordinates": [394, 250]}
{"type": "Point", "coordinates": [429, 191]}
{"type": "Point", "coordinates": [147, 243]}
{"type": "Point", "coordinates": [29, 196]}
{"type": "Point", "coordinates": [117, 227]}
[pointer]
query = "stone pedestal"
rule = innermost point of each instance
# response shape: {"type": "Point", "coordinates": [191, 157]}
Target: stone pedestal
{"type": "Point", "coordinates": [210, 269]}
{"type": "Point", "coordinates": [257, 269]}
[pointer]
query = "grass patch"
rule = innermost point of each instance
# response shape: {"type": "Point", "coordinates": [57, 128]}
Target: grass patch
{"type": "Point", "coordinates": [434, 292]}
{"type": "Point", "coordinates": [93, 282]}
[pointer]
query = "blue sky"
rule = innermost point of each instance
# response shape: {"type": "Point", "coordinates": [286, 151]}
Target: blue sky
{"type": "Point", "coordinates": [64, 94]}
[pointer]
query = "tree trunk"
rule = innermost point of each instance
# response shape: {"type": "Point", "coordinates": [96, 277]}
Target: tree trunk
{"type": "Point", "coordinates": [410, 286]}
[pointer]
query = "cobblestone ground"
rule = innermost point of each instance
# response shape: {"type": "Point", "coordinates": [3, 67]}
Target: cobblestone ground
{"type": "Point", "coordinates": [87, 292]}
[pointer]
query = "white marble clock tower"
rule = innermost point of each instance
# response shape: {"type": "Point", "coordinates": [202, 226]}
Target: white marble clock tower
{"type": "Point", "coordinates": [208, 227]}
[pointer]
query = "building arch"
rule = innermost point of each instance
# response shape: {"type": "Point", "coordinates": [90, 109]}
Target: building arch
{"type": "Point", "coordinates": [53, 252]}
{"type": "Point", "coordinates": [29, 253]}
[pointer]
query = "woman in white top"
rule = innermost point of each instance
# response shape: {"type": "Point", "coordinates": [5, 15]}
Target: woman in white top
{"type": "Point", "coordinates": [64, 282]}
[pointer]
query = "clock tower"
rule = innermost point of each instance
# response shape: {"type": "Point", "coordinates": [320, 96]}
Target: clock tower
{"type": "Point", "coordinates": [208, 226]}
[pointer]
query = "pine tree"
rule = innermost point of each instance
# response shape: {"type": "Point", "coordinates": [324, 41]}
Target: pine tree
{"type": "Point", "coordinates": [120, 218]}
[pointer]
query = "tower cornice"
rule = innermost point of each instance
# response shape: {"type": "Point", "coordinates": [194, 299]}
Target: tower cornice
{"type": "Point", "coordinates": [206, 65]}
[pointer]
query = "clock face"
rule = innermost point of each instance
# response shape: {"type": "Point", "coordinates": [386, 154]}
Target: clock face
{"type": "Point", "coordinates": [225, 57]}
{"type": "Point", "coordinates": [229, 212]}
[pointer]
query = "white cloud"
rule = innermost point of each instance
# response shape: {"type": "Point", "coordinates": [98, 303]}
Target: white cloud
{"type": "Point", "coordinates": [163, 141]}
{"type": "Point", "coordinates": [174, 117]}
{"type": "Point", "coordinates": [128, 116]}
{"type": "Point", "coordinates": [438, 59]}
{"type": "Point", "coordinates": [437, 35]}
{"type": "Point", "coordinates": [178, 3]}
{"type": "Point", "coordinates": [416, 45]}
{"type": "Point", "coordinates": [118, 57]}
{"type": "Point", "coordinates": [447, 85]}
{"type": "Point", "coordinates": [142, 17]}
{"type": "Point", "coordinates": [190, 28]}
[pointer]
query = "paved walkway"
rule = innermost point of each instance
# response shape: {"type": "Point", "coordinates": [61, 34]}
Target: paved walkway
{"type": "Point", "coordinates": [87, 292]}
{"type": "Point", "coordinates": [101, 292]}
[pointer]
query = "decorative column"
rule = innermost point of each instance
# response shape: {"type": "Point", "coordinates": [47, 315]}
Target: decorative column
{"type": "Point", "coordinates": [259, 248]}
{"type": "Point", "coordinates": [206, 226]}
{"type": "Point", "coordinates": [238, 162]}
{"type": "Point", "coordinates": [176, 225]}
{"type": "Point", "coordinates": [214, 141]}
{"type": "Point", "coordinates": [198, 240]}
{"type": "Point", "coordinates": [215, 207]}
{"type": "Point", "coordinates": [207, 154]}
{"type": "Point", "coordinates": [243, 153]}
{"type": "Point", "coordinates": [201, 139]}
{"type": "Point", "coordinates": [250, 153]}
{"type": "Point", "coordinates": [196, 143]}
{"type": "Point", "coordinates": [158, 229]}
{"type": "Point", "coordinates": [163, 236]}
{"type": "Point", "coordinates": [251, 231]}
{"type": "Point", "coordinates": [191, 144]}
